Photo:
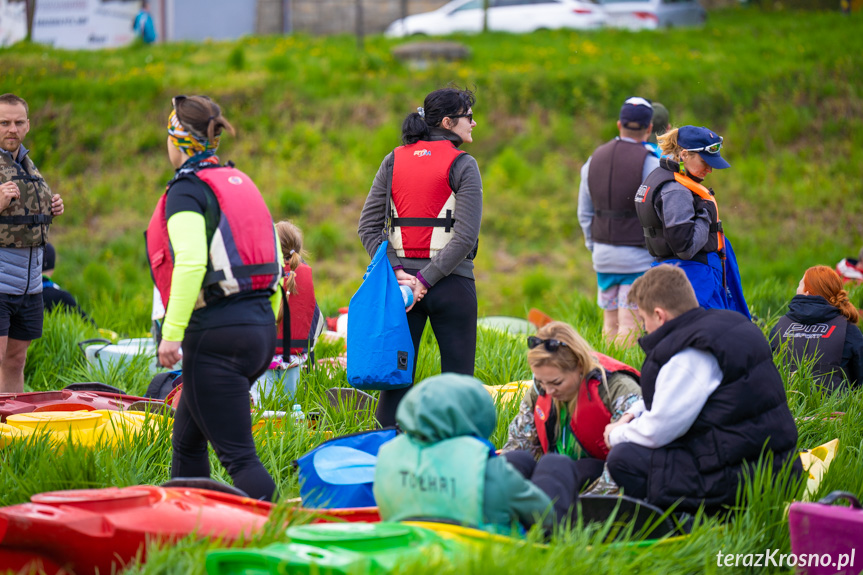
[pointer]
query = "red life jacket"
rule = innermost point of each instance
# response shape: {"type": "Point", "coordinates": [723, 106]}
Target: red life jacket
{"type": "Point", "coordinates": [242, 253]}
{"type": "Point", "coordinates": [590, 417]}
{"type": "Point", "coordinates": [423, 203]}
{"type": "Point", "coordinates": [303, 313]}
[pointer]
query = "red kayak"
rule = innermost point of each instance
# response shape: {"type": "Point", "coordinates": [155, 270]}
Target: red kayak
{"type": "Point", "coordinates": [92, 530]}
{"type": "Point", "coordinates": [67, 400]}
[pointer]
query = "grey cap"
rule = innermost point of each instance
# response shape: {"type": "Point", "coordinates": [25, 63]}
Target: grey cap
{"type": "Point", "coordinates": [660, 121]}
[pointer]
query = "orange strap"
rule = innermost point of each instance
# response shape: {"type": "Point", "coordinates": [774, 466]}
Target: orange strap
{"type": "Point", "coordinates": [703, 193]}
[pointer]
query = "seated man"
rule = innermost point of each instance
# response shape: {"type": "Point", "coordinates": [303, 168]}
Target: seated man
{"type": "Point", "coordinates": [443, 466]}
{"type": "Point", "coordinates": [713, 400]}
{"type": "Point", "coordinates": [52, 294]}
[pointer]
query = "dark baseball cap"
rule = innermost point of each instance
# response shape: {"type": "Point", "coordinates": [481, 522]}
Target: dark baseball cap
{"type": "Point", "coordinates": [636, 113]}
{"type": "Point", "coordinates": [48, 258]}
{"type": "Point", "coordinates": [661, 120]}
{"type": "Point", "coordinates": [705, 142]}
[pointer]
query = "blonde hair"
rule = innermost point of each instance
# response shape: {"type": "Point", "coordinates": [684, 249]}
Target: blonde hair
{"type": "Point", "coordinates": [668, 144]}
{"type": "Point", "coordinates": [291, 240]}
{"type": "Point", "coordinates": [577, 354]}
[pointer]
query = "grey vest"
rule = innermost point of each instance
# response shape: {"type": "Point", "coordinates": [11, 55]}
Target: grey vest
{"type": "Point", "coordinates": [613, 178]}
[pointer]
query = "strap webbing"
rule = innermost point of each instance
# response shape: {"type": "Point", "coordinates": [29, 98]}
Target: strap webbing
{"type": "Point", "coordinates": [246, 271]}
{"type": "Point", "coordinates": [26, 220]}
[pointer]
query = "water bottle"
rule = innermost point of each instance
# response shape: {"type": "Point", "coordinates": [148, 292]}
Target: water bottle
{"type": "Point", "coordinates": [297, 414]}
{"type": "Point", "coordinates": [407, 295]}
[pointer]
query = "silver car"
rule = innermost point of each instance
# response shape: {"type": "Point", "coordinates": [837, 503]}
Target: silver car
{"type": "Point", "coordinates": [652, 14]}
{"type": "Point", "coordinates": [503, 15]}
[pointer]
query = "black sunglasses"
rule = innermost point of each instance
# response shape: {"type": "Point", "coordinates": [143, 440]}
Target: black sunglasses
{"type": "Point", "coordinates": [468, 116]}
{"type": "Point", "coordinates": [551, 345]}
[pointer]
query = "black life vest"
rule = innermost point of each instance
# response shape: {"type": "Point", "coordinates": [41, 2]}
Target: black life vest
{"type": "Point", "coordinates": [648, 207]}
{"type": "Point", "coordinates": [824, 341]}
{"type": "Point", "coordinates": [613, 178]}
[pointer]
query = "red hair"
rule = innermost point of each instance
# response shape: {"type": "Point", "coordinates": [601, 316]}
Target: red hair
{"type": "Point", "coordinates": [824, 281]}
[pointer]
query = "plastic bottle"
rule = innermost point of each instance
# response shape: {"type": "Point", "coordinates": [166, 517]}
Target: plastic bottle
{"type": "Point", "coordinates": [407, 295]}
{"type": "Point", "coordinates": [297, 414]}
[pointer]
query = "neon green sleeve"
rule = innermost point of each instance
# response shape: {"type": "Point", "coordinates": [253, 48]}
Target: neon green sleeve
{"type": "Point", "coordinates": [188, 234]}
{"type": "Point", "coordinates": [276, 298]}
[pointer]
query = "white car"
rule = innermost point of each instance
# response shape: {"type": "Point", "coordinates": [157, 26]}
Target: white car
{"type": "Point", "coordinates": [503, 15]}
{"type": "Point", "coordinates": [652, 14]}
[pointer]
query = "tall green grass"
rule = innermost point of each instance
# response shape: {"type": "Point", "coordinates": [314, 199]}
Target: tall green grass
{"type": "Point", "coordinates": [315, 117]}
{"type": "Point", "coordinates": [758, 521]}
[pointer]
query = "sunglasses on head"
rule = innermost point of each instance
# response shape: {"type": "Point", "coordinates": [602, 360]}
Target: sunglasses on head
{"type": "Point", "coordinates": [711, 149]}
{"type": "Point", "coordinates": [551, 345]}
{"type": "Point", "coordinates": [468, 116]}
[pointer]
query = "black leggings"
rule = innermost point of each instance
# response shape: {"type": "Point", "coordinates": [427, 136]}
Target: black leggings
{"type": "Point", "coordinates": [450, 305]}
{"type": "Point", "coordinates": [629, 466]}
{"type": "Point", "coordinates": [219, 367]}
{"type": "Point", "coordinates": [559, 477]}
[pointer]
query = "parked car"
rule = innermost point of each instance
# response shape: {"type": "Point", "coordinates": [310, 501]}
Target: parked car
{"type": "Point", "coordinates": [651, 14]}
{"type": "Point", "coordinates": [503, 15]}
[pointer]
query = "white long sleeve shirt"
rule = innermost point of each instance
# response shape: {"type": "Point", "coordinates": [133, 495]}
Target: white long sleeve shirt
{"type": "Point", "coordinates": [683, 386]}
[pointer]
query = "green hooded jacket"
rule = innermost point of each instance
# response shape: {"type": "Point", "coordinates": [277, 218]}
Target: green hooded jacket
{"type": "Point", "coordinates": [443, 467]}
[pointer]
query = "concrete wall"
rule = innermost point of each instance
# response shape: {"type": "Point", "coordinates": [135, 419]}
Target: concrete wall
{"type": "Point", "coordinates": [339, 16]}
{"type": "Point", "coordinates": [216, 19]}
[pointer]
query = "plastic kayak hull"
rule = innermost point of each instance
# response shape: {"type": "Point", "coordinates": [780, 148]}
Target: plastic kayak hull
{"type": "Point", "coordinates": [92, 530]}
{"type": "Point", "coordinates": [66, 400]}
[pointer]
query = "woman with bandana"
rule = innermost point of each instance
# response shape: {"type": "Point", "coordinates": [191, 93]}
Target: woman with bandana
{"type": "Point", "coordinates": [215, 260]}
{"type": "Point", "coordinates": [428, 194]}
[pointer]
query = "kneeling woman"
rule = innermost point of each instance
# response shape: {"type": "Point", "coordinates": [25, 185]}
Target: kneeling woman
{"type": "Point", "coordinates": [576, 393]}
{"type": "Point", "coordinates": [821, 323]}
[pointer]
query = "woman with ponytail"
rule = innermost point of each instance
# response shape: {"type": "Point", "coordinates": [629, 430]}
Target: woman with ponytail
{"type": "Point", "coordinates": [681, 217]}
{"type": "Point", "coordinates": [427, 195]}
{"type": "Point", "coordinates": [215, 260]}
{"type": "Point", "coordinates": [303, 322]}
{"type": "Point", "coordinates": [821, 323]}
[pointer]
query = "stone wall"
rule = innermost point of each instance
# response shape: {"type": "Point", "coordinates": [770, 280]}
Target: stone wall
{"type": "Point", "coordinates": [336, 16]}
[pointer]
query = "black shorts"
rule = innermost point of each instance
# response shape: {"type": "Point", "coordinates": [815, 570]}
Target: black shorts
{"type": "Point", "coordinates": [21, 316]}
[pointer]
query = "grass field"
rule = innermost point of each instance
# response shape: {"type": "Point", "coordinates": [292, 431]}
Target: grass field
{"type": "Point", "coordinates": [315, 119]}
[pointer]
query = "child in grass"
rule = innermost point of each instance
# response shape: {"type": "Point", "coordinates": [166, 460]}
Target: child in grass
{"type": "Point", "coordinates": [444, 467]}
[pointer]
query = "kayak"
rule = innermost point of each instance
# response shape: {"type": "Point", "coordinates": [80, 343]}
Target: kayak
{"type": "Point", "coordinates": [69, 400]}
{"type": "Point", "coordinates": [88, 428]}
{"type": "Point", "coordinates": [92, 530]}
{"type": "Point", "coordinates": [509, 392]}
{"type": "Point", "coordinates": [339, 549]}
{"type": "Point", "coordinates": [510, 325]}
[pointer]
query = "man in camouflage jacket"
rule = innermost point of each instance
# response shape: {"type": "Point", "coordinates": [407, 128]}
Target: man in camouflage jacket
{"type": "Point", "coordinates": [27, 207]}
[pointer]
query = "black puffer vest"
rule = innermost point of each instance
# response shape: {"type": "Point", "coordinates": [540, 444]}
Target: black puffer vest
{"type": "Point", "coordinates": [648, 206]}
{"type": "Point", "coordinates": [746, 412]}
{"type": "Point", "coordinates": [613, 178]}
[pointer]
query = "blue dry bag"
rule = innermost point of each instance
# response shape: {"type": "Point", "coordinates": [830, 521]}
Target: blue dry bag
{"type": "Point", "coordinates": [340, 472]}
{"type": "Point", "coordinates": [380, 348]}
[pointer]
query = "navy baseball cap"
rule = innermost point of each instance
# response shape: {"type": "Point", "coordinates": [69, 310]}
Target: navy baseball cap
{"type": "Point", "coordinates": [636, 113]}
{"type": "Point", "coordinates": [706, 143]}
{"type": "Point", "coordinates": [48, 258]}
